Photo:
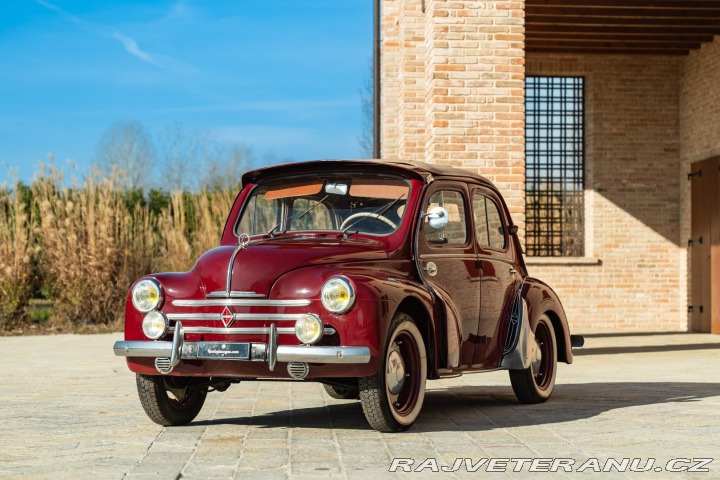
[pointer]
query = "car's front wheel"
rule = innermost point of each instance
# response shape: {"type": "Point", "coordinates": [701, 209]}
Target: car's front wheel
{"type": "Point", "coordinates": [169, 400]}
{"type": "Point", "coordinates": [341, 392]}
{"type": "Point", "coordinates": [535, 384]}
{"type": "Point", "coordinates": [392, 398]}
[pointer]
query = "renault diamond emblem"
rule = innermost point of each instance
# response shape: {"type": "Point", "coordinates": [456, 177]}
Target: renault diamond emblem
{"type": "Point", "coordinates": [227, 317]}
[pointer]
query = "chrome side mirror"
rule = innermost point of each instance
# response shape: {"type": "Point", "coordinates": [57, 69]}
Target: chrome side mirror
{"type": "Point", "coordinates": [437, 217]}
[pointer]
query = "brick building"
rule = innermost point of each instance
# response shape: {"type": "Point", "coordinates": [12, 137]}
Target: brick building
{"type": "Point", "coordinates": [623, 98]}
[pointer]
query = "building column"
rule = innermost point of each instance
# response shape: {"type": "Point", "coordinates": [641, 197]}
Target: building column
{"type": "Point", "coordinates": [474, 92]}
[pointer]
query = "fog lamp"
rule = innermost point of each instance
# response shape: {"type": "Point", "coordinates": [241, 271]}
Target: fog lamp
{"type": "Point", "coordinates": [155, 325]}
{"type": "Point", "coordinates": [309, 329]}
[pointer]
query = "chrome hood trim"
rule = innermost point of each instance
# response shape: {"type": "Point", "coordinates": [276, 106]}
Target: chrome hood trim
{"type": "Point", "coordinates": [232, 302]}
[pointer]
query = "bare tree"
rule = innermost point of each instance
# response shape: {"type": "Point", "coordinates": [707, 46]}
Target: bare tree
{"type": "Point", "coordinates": [181, 155]}
{"type": "Point", "coordinates": [224, 165]}
{"type": "Point", "coordinates": [127, 151]}
{"type": "Point", "coordinates": [365, 139]}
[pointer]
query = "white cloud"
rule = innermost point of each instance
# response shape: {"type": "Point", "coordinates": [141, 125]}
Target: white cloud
{"type": "Point", "coordinates": [308, 107]}
{"type": "Point", "coordinates": [289, 142]}
{"type": "Point", "coordinates": [59, 10]}
{"type": "Point", "coordinates": [130, 44]}
{"type": "Point", "coordinates": [133, 49]}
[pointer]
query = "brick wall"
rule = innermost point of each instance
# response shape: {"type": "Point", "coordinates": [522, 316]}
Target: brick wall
{"type": "Point", "coordinates": [457, 69]}
{"type": "Point", "coordinates": [699, 125]}
{"type": "Point", "coordinates": [632, 196]}
{"type": "Point", "coordinates": [453, 92]}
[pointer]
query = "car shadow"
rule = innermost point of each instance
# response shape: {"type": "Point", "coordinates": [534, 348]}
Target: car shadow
{"type": "Point", "coordinates": [586, 351]}
{"type": "Point", "coordinates": [482, 408]}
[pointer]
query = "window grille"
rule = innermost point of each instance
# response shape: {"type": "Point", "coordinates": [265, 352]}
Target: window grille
{"type": "Point", "coordinates": [554, 166]}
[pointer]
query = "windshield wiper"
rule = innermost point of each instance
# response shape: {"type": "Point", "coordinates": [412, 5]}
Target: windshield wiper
{"type": "Point", "coordinates": [297, 215]}
{"type": "Point", "coordinates": [377, 213]}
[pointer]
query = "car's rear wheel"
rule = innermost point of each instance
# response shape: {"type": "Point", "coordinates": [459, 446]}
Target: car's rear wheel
{"type": "Point", "coordinates": [170, 400]}
{"type": "Point", "coordinates": [535, 384]}
{"type": "Point", "coordinates": [392, 398]}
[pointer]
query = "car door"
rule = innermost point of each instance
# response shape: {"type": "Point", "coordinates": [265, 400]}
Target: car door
{"type": "Point", "coordinates": [447, 257]}
{"type": "Point", "coordinates": [499, 280]}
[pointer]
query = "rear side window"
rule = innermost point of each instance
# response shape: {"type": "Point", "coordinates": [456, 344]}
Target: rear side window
{"type": "Point", "coordinates": [489, 229]}
{"type": "Point", "coordinates": [455, 232]}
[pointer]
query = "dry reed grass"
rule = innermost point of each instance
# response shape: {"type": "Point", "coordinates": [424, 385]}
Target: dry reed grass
{"type": "Point", "coordinates": [16, 264]}
{"type": "Point", "coordinates": [90, 247]}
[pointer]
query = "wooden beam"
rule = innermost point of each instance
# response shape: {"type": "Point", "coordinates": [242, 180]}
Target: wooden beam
{"type": "Point", "coordinates": [618, 21]}
{"type": "Point", "coordinates": [639, 30]}
{"type": "Point", "coordinates": [617, 44]}
{"type": "Point", "coordinates": [609, 37]}
{"type": "Point", "coordinates": [605, 51]}
{"type": "Point", "coordinates": [615, 36]}
{"type": "Point", "coordinates": [683, 4]}
{"type": "Point", "coordinates": [622, 12]}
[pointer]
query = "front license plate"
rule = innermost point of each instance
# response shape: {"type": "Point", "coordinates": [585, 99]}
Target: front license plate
{"type": "Point", "coordinates": [215, 350]}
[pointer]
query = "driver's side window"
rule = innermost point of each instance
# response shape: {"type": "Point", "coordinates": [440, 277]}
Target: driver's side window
{"type": "Point", "coordinates": [455, 232]}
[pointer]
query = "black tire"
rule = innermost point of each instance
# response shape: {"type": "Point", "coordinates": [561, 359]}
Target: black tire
{"type": "Point", "coordinates": [392, 404]}
{"type": "Point", "coordinates": [342, 393]}
{"type": "Point", "coordinates": [168, 400]}
{"type": "Point", "coordinates": [536, 383]}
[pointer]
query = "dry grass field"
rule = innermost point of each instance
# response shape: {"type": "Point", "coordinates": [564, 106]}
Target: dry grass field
{"type": "Point", "coordinates": [78, 248]}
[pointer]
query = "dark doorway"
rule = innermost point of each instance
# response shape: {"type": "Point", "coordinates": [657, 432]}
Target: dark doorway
{"type": "Point", "coordinates": [705, 246]}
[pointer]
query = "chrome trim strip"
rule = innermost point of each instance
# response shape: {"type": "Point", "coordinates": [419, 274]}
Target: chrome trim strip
{"type": "Point", "coordinates": [237, 316]}
{"type": "Point", "coordinates": [464, 256]}
{"type": "Point", "coordinates": [272, 347]}
{"type": "Point", "coordinates": [195, 316]}
{"type": "Point", "coordinates": [177, 342]}
{"type": "Point", "coordinates": [285, 353]}
{"type": "Point", "coordinates": [247, 330]}
{"type": "Point", "coordinates": [229, 302]}
{"type": "Point", "coordinates": [235, 294]}
{"type": "Point", "coordinates": [242, 243]}
{"type": "Point", "coordinates": [142, 349]}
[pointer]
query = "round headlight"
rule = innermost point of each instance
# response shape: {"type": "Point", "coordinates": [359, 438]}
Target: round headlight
{"type": "Point", "coordinates": [338, 295]}
{"type": "Point", "coordinates": [147, 295]}
{"type": "Point", "coordinates": [309, 329]}
{"type": "Point", "coordinates": [154, 325]}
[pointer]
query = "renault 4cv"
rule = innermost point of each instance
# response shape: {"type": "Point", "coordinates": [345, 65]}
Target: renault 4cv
{"type": "Point", "coordinates": [370, 277]}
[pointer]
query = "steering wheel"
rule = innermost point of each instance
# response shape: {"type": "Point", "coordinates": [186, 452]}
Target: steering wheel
{"type": "Point", "coordinates": [377, 216]}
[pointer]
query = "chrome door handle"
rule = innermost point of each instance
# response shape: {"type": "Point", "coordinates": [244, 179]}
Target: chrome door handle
{"type": "Point", "coordinates": [512, 271]}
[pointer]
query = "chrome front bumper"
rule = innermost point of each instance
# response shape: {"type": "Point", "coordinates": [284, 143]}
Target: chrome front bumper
{"type": "Point", "coordinates": [271, 352]}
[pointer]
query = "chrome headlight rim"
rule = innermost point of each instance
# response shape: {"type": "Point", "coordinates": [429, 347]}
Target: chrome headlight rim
{"type": "Point", "coordinates": [319, 325]}
{"type": "Point", "coordinates": [342, 282]}
{"type": "Point", "coordinates": [152, 316]}
{"type": "Point", "coordinates": [160, 293]}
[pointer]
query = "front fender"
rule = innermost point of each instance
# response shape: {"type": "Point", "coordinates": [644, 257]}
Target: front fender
{"type": "Point", "coordinates": [176, 285]}
{"type": "Point", "coordinates": [379, 292]}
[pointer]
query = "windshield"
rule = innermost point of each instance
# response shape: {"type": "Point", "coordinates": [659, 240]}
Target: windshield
{"type": "Point", "coordinates": [371, 204]}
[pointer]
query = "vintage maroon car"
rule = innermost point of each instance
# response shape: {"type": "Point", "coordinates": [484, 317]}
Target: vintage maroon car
{"type": "Point", "coordinates": [367, 276]}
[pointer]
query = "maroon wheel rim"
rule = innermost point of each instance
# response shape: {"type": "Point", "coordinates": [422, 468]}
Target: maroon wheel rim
{"type": "Point", "coordinates": [404, 401]}
{"type": "Point", "coordinates": [544, 375]}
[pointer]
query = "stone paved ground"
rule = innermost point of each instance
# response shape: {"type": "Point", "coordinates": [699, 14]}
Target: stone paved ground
{"type": "Point", "coordinates": [68, 409]}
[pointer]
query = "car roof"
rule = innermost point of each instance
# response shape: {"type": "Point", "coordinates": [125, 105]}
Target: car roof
{"type": "Point", "coordinates": [426, 171]}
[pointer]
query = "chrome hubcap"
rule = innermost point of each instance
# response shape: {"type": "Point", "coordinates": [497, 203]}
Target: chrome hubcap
{"type": "Point", "coordinates": [395, 371]}
{"type": "Point", "coordinates": [536, 357]}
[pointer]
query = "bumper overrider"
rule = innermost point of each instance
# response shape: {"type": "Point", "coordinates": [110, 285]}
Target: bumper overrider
{"type": "Point", "coordinates": [168, 354]}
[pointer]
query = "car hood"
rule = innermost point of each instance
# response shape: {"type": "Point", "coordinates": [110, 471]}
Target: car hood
{"type": "Point", "coordinates": [261, 263]}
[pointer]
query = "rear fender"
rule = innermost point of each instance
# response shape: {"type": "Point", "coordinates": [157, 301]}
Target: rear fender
{"type": "Point", "coordinates": [540, 299]}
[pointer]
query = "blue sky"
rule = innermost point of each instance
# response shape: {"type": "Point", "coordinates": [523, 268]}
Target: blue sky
{"type": "Point", "coordinates": [280, 76]}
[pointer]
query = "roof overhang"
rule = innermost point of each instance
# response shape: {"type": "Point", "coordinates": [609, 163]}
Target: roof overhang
{"type": "Point", "coordinates": [636, 27]}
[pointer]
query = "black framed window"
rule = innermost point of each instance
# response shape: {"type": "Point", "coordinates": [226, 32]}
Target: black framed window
{"type": "Point", "coordinates": [554, 166]}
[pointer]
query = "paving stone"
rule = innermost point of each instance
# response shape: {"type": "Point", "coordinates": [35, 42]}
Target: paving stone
{"type": "Point", "coordinates": [80, 418]}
